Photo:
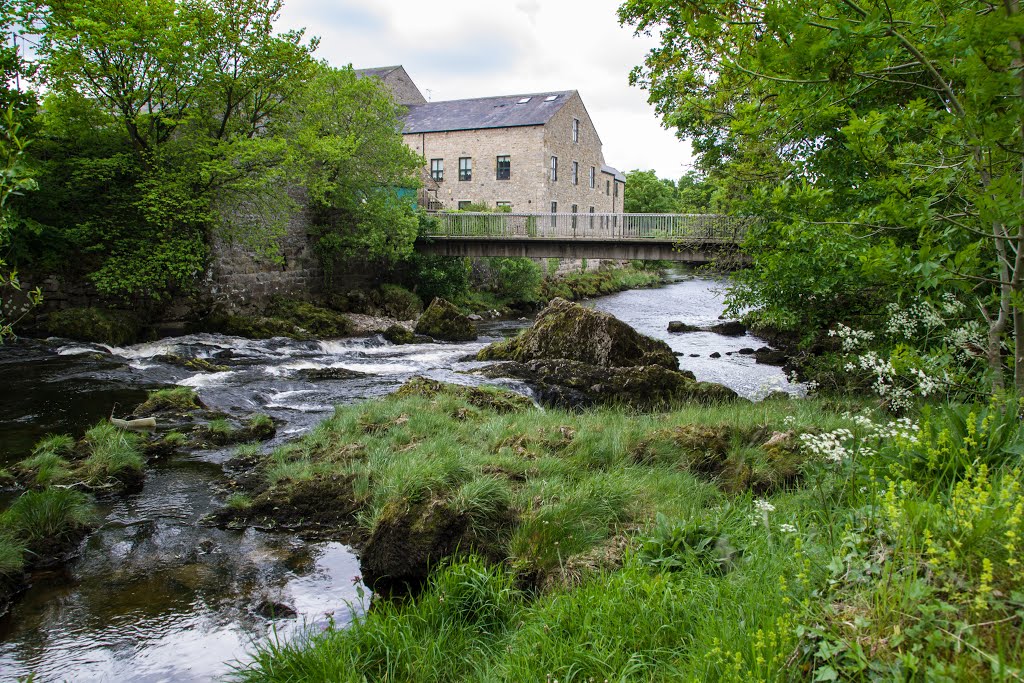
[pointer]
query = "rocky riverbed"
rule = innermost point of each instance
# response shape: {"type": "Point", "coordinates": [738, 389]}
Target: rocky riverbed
{"type": "Point", "coordinates": [157, 593]}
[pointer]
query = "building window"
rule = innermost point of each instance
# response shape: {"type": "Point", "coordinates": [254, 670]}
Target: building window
{"type": "Point", "coordinates": [575, 173]}
{"type": "Point", "coordinates": [554, 169]}
{"type": "Point", "coordinates": [575, 210]}
{"type": "Point", "coordinates": [437, 169]}
{"type": "Point", "coordinates": [504, 167]}
{"type": "Point", "coordinates": [616, 189]}
{"type": "Point", "coordinates": [465, 168]}
{"type": "Point", "coordinates": [464, 205]}
{"type": "Point", "coordinates": [591, 216]}
{"type": "Point", "coordinates": [593, 177]}
{"type": "Point", "coordinates": [575, 130]}
{"type": "Point", "coordinates": [607, 187]}
{"type": "Point", "coordinates": [504, 205]}
{"type": "Point", "coordinates": [554, 211]}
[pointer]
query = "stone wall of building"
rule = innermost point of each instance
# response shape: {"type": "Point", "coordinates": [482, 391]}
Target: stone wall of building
{"type": "Point", "coordinates": [530, 188]}
{"type": "Point", "coordinates": [586, 152]}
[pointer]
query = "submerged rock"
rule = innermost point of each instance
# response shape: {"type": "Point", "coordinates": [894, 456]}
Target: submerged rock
{"type": "Point", "coordinates": [679, 326]}
{"type": "Point", "coordinates": [329, 373]}
{"type": "Point", "coordinates": [399, 334]}
{"type": "Point", "coordinates": [271, 609]}
{"type": "Point", "coordinates": [443, 321]}
{"type": "Point", "coordinates": [573, 332]}
{"type": "Point", "coordinates": [768, 356]}
{"type": "Point", "coordinates": [729, 329]}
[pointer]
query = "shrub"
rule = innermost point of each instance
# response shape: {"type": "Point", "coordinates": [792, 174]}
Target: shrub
{"type": "Point", "coordinates": [517, 279]}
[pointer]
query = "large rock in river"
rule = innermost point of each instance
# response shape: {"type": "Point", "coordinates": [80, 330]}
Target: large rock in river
{"type": "Point", "coordinates": [442, 320]}
{"type": "Point", "coordinates": [576, 357]}
{"type": "Point", "coordinates": [573, 332]}
{"type": "Point", "coordinates": [569, 384]}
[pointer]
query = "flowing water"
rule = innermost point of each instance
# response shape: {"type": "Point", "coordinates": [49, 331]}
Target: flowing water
{"type": "Point", "coordinates": [157, 596]}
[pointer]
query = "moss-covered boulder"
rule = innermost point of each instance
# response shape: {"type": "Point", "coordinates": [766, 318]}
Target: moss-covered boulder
{"type": "Point", "coordinates": [398, 334]}
{"type": "Point", "coordinates": [408, 540]}
{"type": "Point", "coordinates": [442, 320]}
{"type": "Point", "coordinates": [570, 384]}
{"type": "Point", "coordinates": [565, 330]}
{"type": "Point", "coordinates": [679, 326]}
{"type": "Point", "coordinates": [285, 318]}
{"type": "Point", "coordinates": [99, 325]}
{"type": "Point", "coordinates": [488, 398]}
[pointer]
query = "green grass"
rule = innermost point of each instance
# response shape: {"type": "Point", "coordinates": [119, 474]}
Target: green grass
{"type": "Point", "coordinates": [46, 467]}
{"type": "Point", "coordinates": [114, 454]}
{"type": "Point", "coordinates": [180, 399]}
{"type": "Point", "coordinates": [58, 444]}
{"type": "Point", "coordinates": [12, 556]}
{"type": "Point", "coordinates": [51, 514]}
{"type": "Point", "coordinates": [238, 501]}
{"type": "Point", "coordinates": [699, 544]}
{"type": "Point", "coordinates": [220, 427]}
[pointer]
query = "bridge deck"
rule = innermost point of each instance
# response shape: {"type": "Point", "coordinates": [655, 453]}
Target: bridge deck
{"type": "Point", "coordinates": [591, 226]}
{"type": "Point", "coordinates": [692, 238]}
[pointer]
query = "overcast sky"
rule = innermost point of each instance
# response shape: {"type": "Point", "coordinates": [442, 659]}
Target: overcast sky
{"type": "Point", "coordinates": [457, 49]}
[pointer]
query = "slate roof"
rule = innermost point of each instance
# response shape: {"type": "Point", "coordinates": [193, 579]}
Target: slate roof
{"type": "Point", "coordinates": [615, 172]}
{"type": "Point", "coordinates": [485, 112]}
{"type": "Point", "coordinates": [378, 71]}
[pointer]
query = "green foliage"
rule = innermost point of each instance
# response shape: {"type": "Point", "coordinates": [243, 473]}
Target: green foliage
{"type": "Point", "coordinates": [14, 180]}
{"type": "Point", "coordinates": [355, 166]}
{"type": "Point", "coordinates": [676, 546]}
{"type": "Point", "coordinates": [104, 326]}
{"type": "Point", "coordinates": [139, 173]}
{"type": "Point", "coordinates": [857, 133]}
{"type": "Point", "coordinates": [646, 193]}
{"type": "Point", "coordinates": [516, 279]}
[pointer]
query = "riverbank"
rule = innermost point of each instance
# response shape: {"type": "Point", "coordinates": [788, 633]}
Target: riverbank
{"type": "Point", "coordinates": [806, 539]}
{"type": "Point", "coordinates": [352, 314]}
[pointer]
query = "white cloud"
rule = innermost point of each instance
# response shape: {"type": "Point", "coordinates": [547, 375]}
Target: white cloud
{"type": "Point", "coordinates": [466, 48]}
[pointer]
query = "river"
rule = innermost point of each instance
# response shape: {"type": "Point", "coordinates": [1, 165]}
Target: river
{"type": "Point", "coordinates": [157, 596]}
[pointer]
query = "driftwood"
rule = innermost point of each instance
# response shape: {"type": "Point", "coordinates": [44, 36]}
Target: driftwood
{"type": "Point", "coordinates": [142, 424]}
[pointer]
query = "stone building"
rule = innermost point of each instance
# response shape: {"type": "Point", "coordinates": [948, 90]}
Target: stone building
{"type": "Point", "coordinates": [534, 153]}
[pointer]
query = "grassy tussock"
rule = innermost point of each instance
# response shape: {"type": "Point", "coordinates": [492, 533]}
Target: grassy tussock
{"type": "Point", "coordinates": [52, 514]}
{"type": "Point", "coordinates": [114, 455]}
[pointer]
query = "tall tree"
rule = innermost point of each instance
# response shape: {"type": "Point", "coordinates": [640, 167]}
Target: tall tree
{"type": "Point", "coordinates": [647, 193]}
{"type": "Point", "coordinates": [883, 137]}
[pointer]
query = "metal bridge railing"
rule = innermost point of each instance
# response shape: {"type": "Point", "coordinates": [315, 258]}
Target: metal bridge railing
{"type": "Point", "coordinates": [608, 226]}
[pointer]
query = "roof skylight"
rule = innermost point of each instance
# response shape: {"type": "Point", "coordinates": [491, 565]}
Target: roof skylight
{"type": "Point", "coordinates": [551, 98]}
{"type": "Point", "coordinates": [524, 100]}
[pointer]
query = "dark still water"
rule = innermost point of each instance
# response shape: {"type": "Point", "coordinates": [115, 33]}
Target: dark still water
{"type": "Point", "coordinates": [154, 595]}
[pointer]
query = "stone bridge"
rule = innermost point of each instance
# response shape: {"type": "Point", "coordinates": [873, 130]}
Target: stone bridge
{"type": "Point", "coordinates": [688, 238]}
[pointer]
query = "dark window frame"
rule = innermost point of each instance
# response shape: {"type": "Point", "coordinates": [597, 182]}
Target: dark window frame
{"type": "Point", "coordinates": [466, 169]}
{"type": "Point", "coordinates": [503, 172]}
{"type": "Point", "coordinates": [576, 131]}
{"type": "Point", "coordinates": [437, 170]}
{"type": "Point", "coordinates": [553, 175]}
{"type": "Point", "coordinates": [575, 173]}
